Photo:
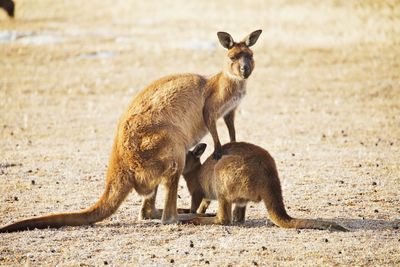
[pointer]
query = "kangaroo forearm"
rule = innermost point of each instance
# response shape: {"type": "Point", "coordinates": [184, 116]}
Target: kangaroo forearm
{"type": "Point", "coordinates": [230, 124]}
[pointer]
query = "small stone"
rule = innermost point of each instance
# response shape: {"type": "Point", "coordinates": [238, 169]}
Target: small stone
{"type": "Point", "coordinates": [359, 165]}
{"type": "Point", "coordinates": [207, 262]}
{"type": "Point", "coordinates": [105, 262]}
{"type": "Point", "coordinates": [377, 165]}
{"type": "Point", "coordinates": [264, 248]}
{"type": "Point", "coordinates": [391, 143]}
{"type": "Point", "coordinates": [191, 244]}
{"type": "Point", "coordinates": [340, 252]}
{"type": "Point", "coordinates": [52, 250]}
{"type": "Point", "coordinates": [30, 171]}
{"type": "Point", "coordinates": [172, 261]}
{"type": "Point", "coordinates": [373, 183]}
{"type": "Point", "coordinates": [32, 182]}
{"type": "Point", "coordinates": [153, 256]}
{"type": "Point", "coordinates": [326, 240]}
{"type": "Point", "coordinates": [376, 211]}
{"type": "Point", "coordinates": [213, 247]}
{"type": "Point", "coordinates": [293, 154]}
{"type": "Point", "coordinates": [16, 198]}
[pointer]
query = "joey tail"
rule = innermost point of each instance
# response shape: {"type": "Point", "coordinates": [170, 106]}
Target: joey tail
{"type": "Point", "coordinates": [278, 215]}
{"type": "Point", "coordinates": [117, 188]}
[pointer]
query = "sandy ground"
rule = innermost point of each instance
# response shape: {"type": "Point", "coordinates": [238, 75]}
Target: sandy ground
{"type": "Point", "coordinates": [324, 99]}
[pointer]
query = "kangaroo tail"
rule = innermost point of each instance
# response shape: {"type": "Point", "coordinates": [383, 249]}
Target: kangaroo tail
{"type": "Point", "coordinates": [115, 192]}
{"type": "Point", "coordinates": [278, 215]}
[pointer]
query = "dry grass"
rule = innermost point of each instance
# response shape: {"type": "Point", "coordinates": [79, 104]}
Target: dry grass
{"type": "Point", "coordinates": [324, 100]}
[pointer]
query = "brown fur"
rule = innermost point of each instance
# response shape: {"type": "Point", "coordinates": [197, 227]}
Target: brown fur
{"type": "Point", "coordinates": [245, 173]}
{"type": "Point", "coordinates": [154, 134]}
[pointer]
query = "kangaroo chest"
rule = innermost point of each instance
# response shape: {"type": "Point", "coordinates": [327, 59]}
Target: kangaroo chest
{"type": "Point", "coordinates": [231, 102]}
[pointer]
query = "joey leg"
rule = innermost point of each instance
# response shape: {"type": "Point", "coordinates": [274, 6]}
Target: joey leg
{"type": "Point", "coordinates": [197, 198]}
{"type": "Point", "coordinates": [239, 214]}
{"type": "Point", "coordinates": [224, 213]}
{"type": "Point", "coordinates": [203, 206]}
{"type": "Point", "coordinates": [223, 217]}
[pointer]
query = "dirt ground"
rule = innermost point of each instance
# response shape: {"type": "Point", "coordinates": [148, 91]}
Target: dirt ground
{"type": "Point", "coordinates": [324, 100]}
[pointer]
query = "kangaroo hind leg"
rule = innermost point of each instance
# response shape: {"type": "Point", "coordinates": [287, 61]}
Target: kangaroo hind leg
{"type": "Point", "coordinates": [148, 209]}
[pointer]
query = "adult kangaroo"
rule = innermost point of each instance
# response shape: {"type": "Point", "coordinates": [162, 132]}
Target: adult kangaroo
{"type": "Point", "coordinates": [153, 135]}
{"type": "Point", "coordinates": [245, 173]}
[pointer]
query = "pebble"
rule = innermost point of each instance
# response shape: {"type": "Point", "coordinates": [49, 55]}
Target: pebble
{"type": "Point", "coordinates": [172, 261]}
{"type": "Point", "coordinates": [373, 183]}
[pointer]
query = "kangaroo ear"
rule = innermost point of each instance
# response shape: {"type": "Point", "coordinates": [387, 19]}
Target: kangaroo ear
{"type": "Point", "coordinates": [225, 39]}
{"type": "Point", "coordinates": [252, 38]}
{"type": "Point", "coordinates": [199, 150]}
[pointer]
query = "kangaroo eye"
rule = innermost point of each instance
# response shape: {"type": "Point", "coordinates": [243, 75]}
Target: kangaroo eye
{"type": "Point", "coordinates": [232, 58]}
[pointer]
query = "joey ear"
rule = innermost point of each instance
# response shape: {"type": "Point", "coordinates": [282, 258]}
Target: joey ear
{"type": "Point", "coordinates": [199, 150]}
{"type": "Point", "coordinates": [252, 38]}
{"type": "Point", "coordinates": [225, 39]}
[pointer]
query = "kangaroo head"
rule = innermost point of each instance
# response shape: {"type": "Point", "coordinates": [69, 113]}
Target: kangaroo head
{"type": "Point", "coordinates": [239, 61]}
{"type": "Point", "coordinates": [192, 162]}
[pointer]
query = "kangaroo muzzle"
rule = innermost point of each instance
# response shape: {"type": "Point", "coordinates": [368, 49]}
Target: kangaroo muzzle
{"type": "Point", "coordinates": [245, 71]}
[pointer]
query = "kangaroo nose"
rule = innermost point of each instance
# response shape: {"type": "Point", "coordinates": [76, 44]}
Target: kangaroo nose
{"type": "Point", "coordinates": [245, 70]}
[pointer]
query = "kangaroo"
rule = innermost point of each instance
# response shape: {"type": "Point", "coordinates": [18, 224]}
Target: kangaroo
{"type": "Point", "coordinates": [245, 173]}
{"type": "Point", "coordinates": [8, 6]}
{"type": "Point", "coordinates": [153, 135]}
